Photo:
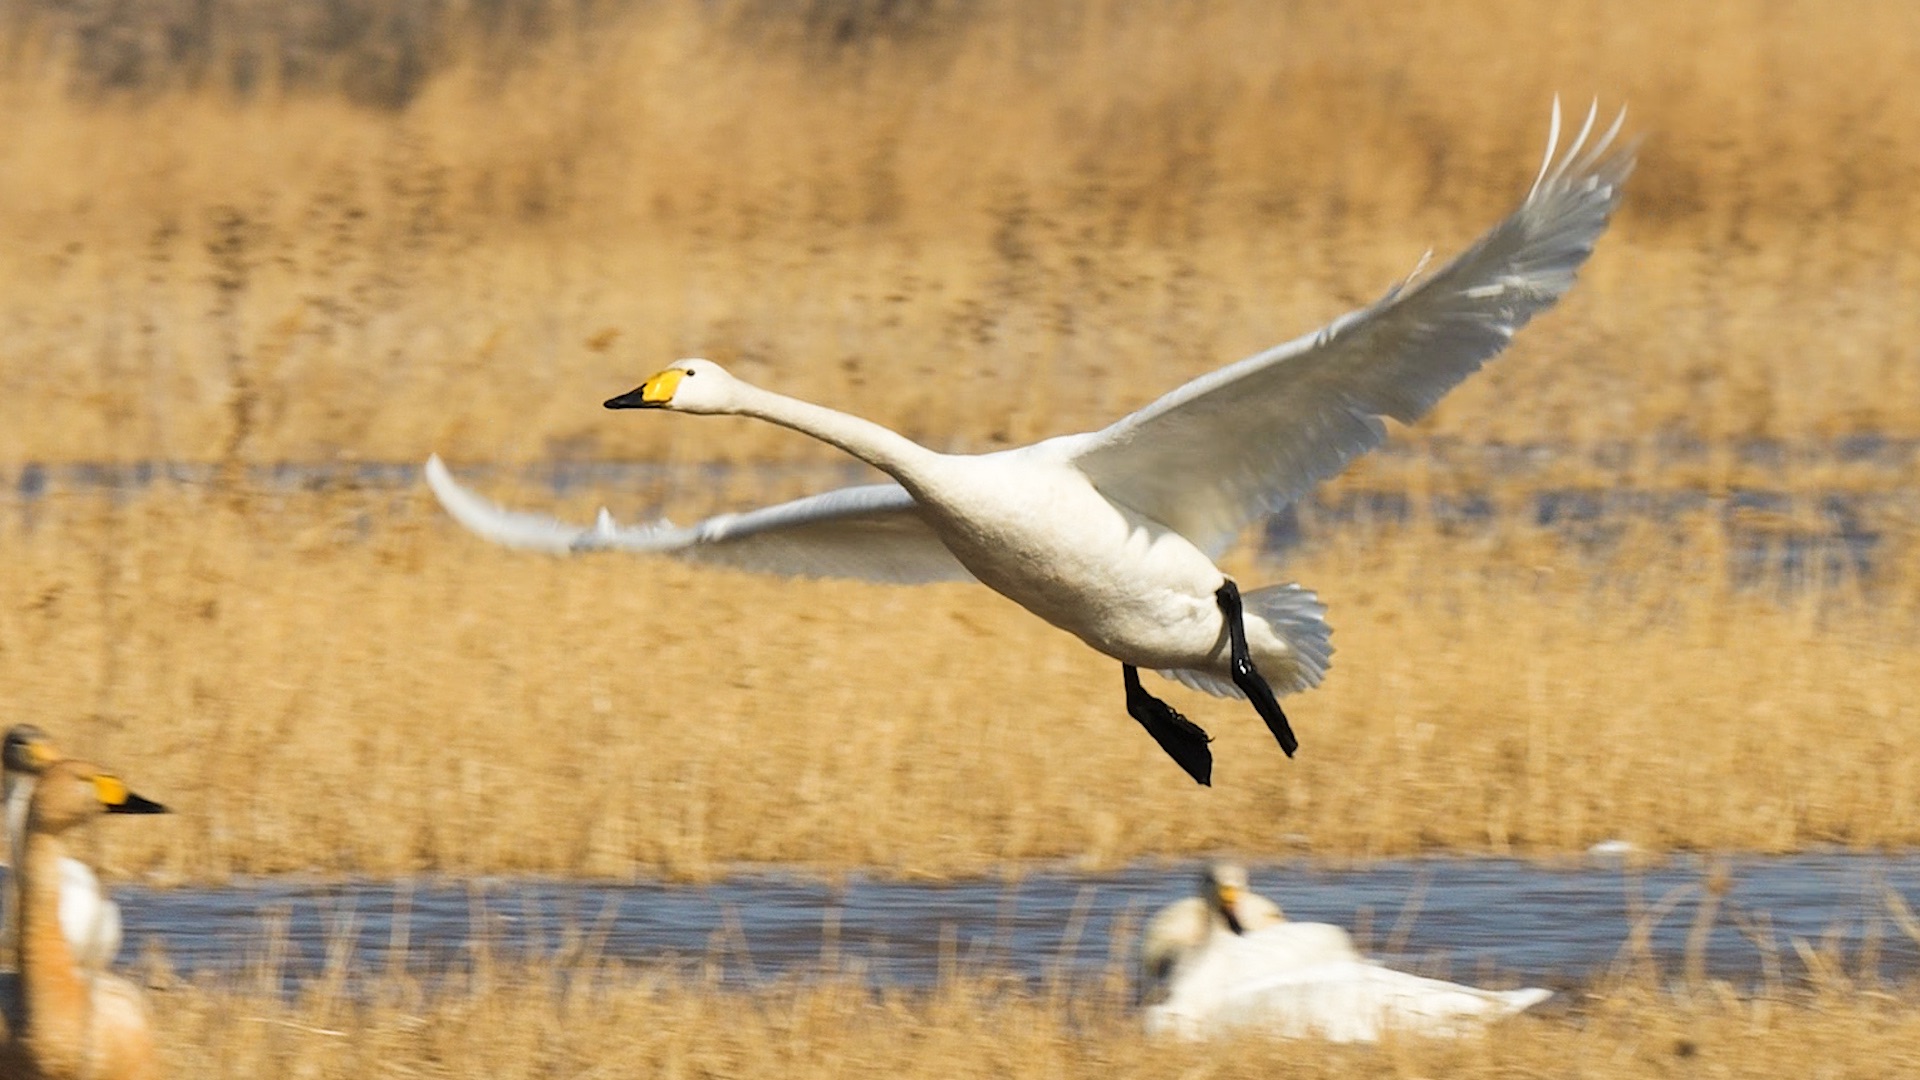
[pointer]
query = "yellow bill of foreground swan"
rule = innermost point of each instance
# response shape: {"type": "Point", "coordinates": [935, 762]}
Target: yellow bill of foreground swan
{"type": "Point", "coordinates": [58, 1019]}
{"type": "Point", "coordinates": [1112, 535]}
{"type": "Point", "coordinates": [1228, 960]}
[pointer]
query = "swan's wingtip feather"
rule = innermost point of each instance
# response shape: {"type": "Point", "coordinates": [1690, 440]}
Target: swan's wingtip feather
{"type": "Point", "coordinates": [491, 522]}
{"type": "Point", "coordinates": [1593, 157]}
{"type": "Point", "coordinates": [1553, 145]}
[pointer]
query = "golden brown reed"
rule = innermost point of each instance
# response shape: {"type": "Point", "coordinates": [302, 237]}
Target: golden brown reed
{"type": "Point", "coordinates": [531, 1026]}
{"type": "Point", "coordinates": [1015, 223]}
{"type": "Point", "coordinates": [420, 701]}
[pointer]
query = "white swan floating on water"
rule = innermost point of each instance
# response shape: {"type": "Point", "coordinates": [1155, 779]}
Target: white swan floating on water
{"type": "Point", "coordinates": [1229, 960]}
{"type": "Point", "coordinates": [1111, 535]}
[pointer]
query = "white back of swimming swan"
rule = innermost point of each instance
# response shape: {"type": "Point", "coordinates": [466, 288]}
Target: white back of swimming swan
{"type": "Point", "coordinates": [1336, 1000]}
{"type": "Point", "coordinates": [1111, 535]}
{"type": "Point", "coordinates": [1224, 971]}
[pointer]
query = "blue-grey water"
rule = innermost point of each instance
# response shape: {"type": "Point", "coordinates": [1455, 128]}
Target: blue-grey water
{"type": "Point", "coordinates": [1466, 918]}
{"type": "Point", "coordinates": [1775, 536]}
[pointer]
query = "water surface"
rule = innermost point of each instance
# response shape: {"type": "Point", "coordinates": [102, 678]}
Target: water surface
{"type": "Point", "coordinates": [1478, 919]}
{"type": "Point", "coordinates": [1773, 535]}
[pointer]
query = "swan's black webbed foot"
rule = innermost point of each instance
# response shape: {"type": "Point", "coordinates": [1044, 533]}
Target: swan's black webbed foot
{"type": "Point", "coordinates": [1181, 738]}
{"type": "Point", "coordinates": [1246, 676]}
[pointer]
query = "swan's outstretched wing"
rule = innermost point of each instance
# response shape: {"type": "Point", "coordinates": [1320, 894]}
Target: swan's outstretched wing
{"type": "Point", "coordinates": [870, 533]}
{"type": "Point", "coordinates": [1252, 437]}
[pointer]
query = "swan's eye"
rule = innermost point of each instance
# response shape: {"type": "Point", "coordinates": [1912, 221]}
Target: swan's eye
{"type": "Point", "coordinates": [690, 372]}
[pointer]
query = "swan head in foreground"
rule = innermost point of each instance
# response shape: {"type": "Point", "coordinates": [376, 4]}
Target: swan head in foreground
{"type": "Point", "coordinates": [694, 386]}
{"type": "Point", "coordinates": [72, 793]}
{"type": "Point", "coordinates": [88, 918]}
{"type": "Point", "coordinates": [25, 753]}
{"type": "Point", "coordinates": [59, 1016]}
{"type": "Point", "coordinates": [26, 749]}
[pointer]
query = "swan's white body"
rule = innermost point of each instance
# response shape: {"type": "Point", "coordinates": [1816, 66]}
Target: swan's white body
{"type": "Point", "coordinates": [88, 917]}
{"type": "Point", "coordinates": [1112, 535]}
{"type": "Point", "coordinates": [1027, 524]}
{"type": "Point", "coordinates": [1289, 979]}
{"type": "Point", "coordinates": [1340, 1000]}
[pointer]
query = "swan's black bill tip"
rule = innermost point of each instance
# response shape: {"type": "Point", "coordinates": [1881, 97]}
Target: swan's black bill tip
{"type": "Point", "coordinates": [633, 399]}
{"type": "Point", "coordinates": [137, 804]}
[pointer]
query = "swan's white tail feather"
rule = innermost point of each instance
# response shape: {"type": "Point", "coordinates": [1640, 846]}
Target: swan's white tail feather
{"type": "Point", "coordinates": [1206, 682]}
{"type": "Point", "coordinates": [1522, 1000]}
{"type": "Point", "coordinates": [1298, 618]}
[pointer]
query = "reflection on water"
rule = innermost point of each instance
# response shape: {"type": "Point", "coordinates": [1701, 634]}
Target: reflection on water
{"type": "Point", "coordinates": [1477, 919]}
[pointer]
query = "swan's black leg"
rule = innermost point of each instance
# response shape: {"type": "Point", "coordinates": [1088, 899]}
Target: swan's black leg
{"type": "Point", "coordinates": [1246, 676]}
{"type": "Point", "coordinates": [1180, 737]}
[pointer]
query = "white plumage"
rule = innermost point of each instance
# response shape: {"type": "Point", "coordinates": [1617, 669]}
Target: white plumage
{"type": "Point", "coordinates": [1337, 1000]}
{"type": "Point", "coordinates": [1228, 959]}
{"type": "Point", "coordinates": [1112, 534]}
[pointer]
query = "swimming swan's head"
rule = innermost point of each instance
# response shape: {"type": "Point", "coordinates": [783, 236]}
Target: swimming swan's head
{"type": "Point", "coordinates": [1223, 884]}
{"type": "Point", "coordinates": [73, 792]}
{"type": "Point", "coordinates": [689, 386]}
{"type": "Point", "coordinates": [1225, 889]}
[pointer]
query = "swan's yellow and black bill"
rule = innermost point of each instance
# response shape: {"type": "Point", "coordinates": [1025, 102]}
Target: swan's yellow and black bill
{"type": "Point", "coordinates": [651, 394]}
{"type": "Point", "coordinates": [1229, 896]}
{"type": "Point", "coordinates": [113, 794]}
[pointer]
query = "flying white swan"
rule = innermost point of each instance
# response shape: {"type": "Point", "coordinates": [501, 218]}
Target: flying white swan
{"type": "Point", "coordinates": [1112, 535]}
{"type": "Point", "coordinates": [1222, 972]}
{"type": "Point", "coordinates": [89, 918]}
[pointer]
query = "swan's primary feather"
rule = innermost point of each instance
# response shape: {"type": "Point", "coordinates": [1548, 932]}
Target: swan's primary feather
{"type": "Point", "coordinates": [1253, 436]}
{"type": "Point", "coordinates": [869, 533]}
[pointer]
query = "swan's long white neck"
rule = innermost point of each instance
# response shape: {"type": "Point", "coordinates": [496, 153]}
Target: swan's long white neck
{"type": "Point", "coordinates": [17, 790]}
{"type": "Point", "coordinates": [886, 450]}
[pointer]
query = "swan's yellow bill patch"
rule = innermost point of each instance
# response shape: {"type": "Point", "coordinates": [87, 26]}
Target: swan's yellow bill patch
{"type": "Point", "coordinates": [659, 389]}
{"type": "Point", "coordinates": [110, 790]}
{"type": "Point", "coordinates": [42, 754]}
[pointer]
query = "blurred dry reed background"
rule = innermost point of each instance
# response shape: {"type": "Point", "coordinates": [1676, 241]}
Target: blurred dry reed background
{"type": "Point", "coordinates": [999, 222]}
{"type": "Point", "coordinates": [979, 223]}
